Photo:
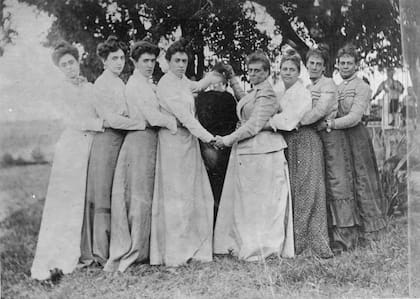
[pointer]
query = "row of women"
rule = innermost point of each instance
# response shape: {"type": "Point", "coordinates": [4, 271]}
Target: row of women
{"type": "Point", "coordinates": [128, 182]}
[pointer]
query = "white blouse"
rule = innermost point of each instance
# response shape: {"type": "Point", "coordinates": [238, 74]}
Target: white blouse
{"type": "Point", "coordinates": [143, 104]}
{"type": "Point", "coordinates": [294, 103]}
{"type": "Point", "coordinates": [176, 98]}
{"type": "Point", "coordinates": [111, 102]}
{"type": "Point", "coordinates": [76, 104]}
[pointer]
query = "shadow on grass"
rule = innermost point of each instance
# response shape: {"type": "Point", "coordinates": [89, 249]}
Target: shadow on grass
{"type": "Point", "coordinates": [379, 270]}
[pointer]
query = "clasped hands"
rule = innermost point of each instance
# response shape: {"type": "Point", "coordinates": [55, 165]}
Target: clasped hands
{"type": "Point", "coordinates": [218, 143]}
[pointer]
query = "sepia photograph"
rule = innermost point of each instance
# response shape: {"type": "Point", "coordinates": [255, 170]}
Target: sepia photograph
{"type": "Point", "coordinates": [209, 149]}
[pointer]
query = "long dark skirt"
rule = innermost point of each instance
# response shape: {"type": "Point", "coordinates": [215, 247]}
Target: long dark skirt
{"type": "Point", "coordinates": [306, 167]}
{"type": "Point", "coordinates": [97, 220]}
{"type": "Point", "coordinates": [368, 190]}
{"type": "Point", "coordinates": [343, 217]}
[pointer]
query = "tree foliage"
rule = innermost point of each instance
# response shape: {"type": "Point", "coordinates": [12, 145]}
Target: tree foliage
{"type": "Point", "coordinates": [90, 22]}
{"type": "Point", "coordinates": [372, 25]}
{"type": "Point", "coordinates": [7, 33]}
{"type": "Point", "coordinates": [228, 28]}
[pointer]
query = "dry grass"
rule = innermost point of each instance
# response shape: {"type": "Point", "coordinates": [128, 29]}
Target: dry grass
{"type": "Point", "coordinates": [380, 270]}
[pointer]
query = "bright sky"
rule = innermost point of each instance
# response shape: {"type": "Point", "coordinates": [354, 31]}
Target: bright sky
{"type": "Point", "coordinates": [27, 72]}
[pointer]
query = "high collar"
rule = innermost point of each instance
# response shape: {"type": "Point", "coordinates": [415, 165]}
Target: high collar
{"type": "Point", "coordinates": [260, 85]}
{"type": "Point", "coordinates": [109, 74]}
{"type": "Point", "coordinates": [139, 76]}
{"type": "Point", "coordinates": [318, 80]}
{"type": "Point", "coordinates": [77, 81]}
{"type": "Point", "coordinates": [170, 73]}
{"type": "Point", "coordinates": [346, 81]}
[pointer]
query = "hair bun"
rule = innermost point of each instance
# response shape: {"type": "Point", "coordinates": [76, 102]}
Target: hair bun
{"type": "Point", "coordinates": [111, 39]}
{"type": "Point", "coordinates": [290, 52]}
{"type": "Point", "coordinates": [61, 44]}
{"type": "Point", "coordinates": [323, 47]}
{"type": "Point", "coordinates": [184, 42]}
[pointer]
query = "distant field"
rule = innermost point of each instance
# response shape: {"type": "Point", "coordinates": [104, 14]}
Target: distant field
{"type": "Point", "coordinates": [21, 138]}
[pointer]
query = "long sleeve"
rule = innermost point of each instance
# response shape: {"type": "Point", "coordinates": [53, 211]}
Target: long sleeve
{"type": "Point", "coordinates": [76, 106]}
{"type": "Point", "coordinates": [360, 102]}
{"type": "Point", "coordinates": [265, 107]}
{"type": "Point", "coordinates": [237, 90]}
{"type": "Point", "coordinates": [324, 101]}
{"type": "Point", "coordinates": [175, 99]}
{"type": "Point", "coordinates": [294, 104]}
{"type": "Point", "coordinates": [116, 119]}
{"type": "Point", "coordinates": [83, 123]}
{"type": "Point", "coordinates": [142, 104]}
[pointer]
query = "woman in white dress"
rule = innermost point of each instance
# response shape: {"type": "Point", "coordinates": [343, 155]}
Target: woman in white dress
{"type": "Point", "coordinates": [182, 209]}
{"type": "Point", "coordinates": [132, 192]}
{"type": "Point", "coordinates": [58, 247]}
{"type": "Point", "coordinates": [255, 213]}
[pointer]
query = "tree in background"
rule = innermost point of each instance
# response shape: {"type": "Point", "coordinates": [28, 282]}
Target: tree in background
{"type": "Point", "coordinates": [372, 25]}
{"type": "Point", "coordinates": [90, 22]}
{"type": "Point", "coordinates": [228, 28]}
{"type": "Point", "coordinates": [6, 32]}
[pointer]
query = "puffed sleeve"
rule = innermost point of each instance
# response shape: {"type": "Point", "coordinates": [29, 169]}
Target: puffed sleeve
{"type": "Point", "coordinates": [358, 107]}
{"type": "Point", "coordinates": [294, 104]}
{"type": "Point", "coordinates": [265, 106]}
{"type": "Point", "coordinates": [326, 103]}
{"type": "Point", "coordinates": [174, 100]}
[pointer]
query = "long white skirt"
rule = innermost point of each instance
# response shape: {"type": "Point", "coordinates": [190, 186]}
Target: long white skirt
{"type": "Point", "coordinates": [182, 209]}
{"type": "Point", "coordinates": [255, 213]}
{"type": "Point", "coordinates": [60, 232]}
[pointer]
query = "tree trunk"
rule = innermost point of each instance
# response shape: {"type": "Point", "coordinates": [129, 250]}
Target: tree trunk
{"type": "Point", "coordinates": [410, 32]}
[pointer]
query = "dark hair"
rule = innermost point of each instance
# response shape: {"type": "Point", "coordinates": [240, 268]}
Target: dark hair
{"type": "Point", "coordinates": [321, 51]}
{"type": "Point", "coordinates": [141, 47]}
{"type": "Point", "coordinates": [112, 44]}
{"type": "Point", "coordinates": [180, 45]}
{"type": "Point", "coordinates": [63, 48]}
{"type": "Point", "coordinates": [348, 49]}
{"type": "Point", "coordinates": [293, 56]}
{"type": "Point", "coordinates": [259, 56]}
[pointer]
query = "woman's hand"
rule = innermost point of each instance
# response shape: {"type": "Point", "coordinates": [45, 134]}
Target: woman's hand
{"type": "Point", "coordinates": [230, 73]}
{"type": "Point", "coordinates": [172, 126]}
{"type": "Point", "coordinates": [106, 124]}
{"type": "Point", "coordinates": [218, 143]}
{"type": "Point", "coordinates": [321, 126]}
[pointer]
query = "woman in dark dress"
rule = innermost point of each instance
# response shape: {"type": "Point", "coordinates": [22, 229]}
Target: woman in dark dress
{"type": "Point", "coordinates": [353, 97]}
{"type": "Point", "coordinates": [306, 165]}
{"type": "Point", "coordinates": [343, 219]}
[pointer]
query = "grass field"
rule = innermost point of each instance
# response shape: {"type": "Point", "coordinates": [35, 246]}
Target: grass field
{"type": "Point", "coordinates": [378, 270]}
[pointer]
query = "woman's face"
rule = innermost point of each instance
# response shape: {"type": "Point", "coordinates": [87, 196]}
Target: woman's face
{"type": "Point", "coordinates": [315, 66]}
{"type": "Point", "coordinates": [115, 62]}
{"type": "Point", "coordinates": [346, 66]}
{"type": "Point", "coordinates": [289, 73]}
{"type": "Point", "coordinates": [146, 64]}
{"type": "Point", "coordinates": [69, 65]}
{"type": "Point", "coordinates": [256, 73]}
{"type": "Point", "coordinates": [178, 63]}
